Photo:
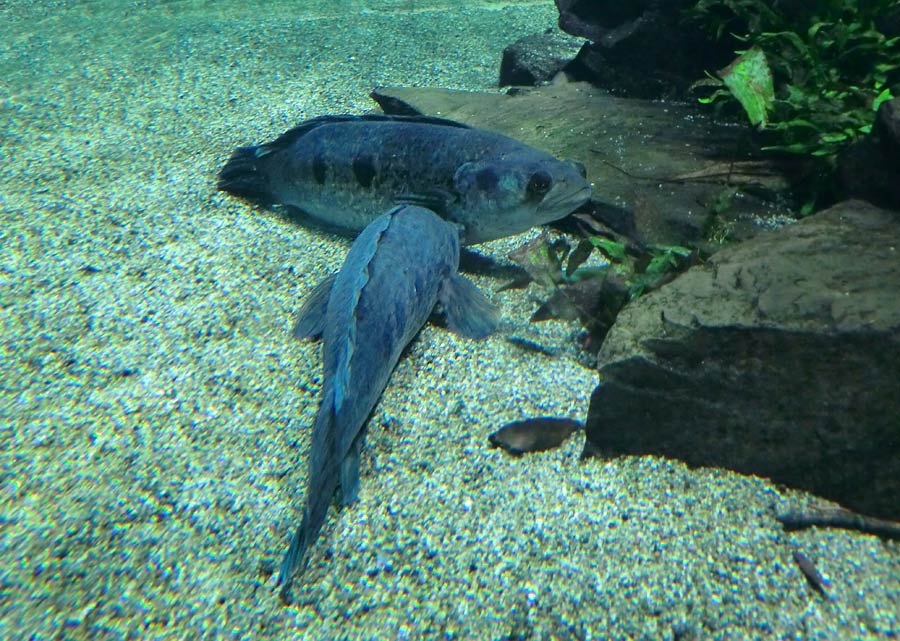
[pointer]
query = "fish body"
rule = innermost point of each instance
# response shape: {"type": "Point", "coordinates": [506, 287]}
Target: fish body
{"type": "Point", "coordinates": [346, 170]}
{"type": "Point", "coordinates": [397, 270]}
{"type": "Point", "coordinates": [534, 435]}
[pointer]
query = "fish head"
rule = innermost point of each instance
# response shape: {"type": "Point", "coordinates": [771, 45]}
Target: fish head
{"type": "Point", "coordinates": [515, 192]}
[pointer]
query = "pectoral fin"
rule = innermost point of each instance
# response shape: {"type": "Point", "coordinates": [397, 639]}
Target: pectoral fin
{"type": "Point", "coordinates": [310, 320]}
{"type": "Point", "coordinates": [466, 309]}
{"type": "Point", "coordinates": [437, 200]}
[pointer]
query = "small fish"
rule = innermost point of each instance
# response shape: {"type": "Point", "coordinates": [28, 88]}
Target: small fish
{"type": "Point", "coordinates": [534, 434]}
{"type": "Point", "coordinates": [816, 581]}
{"type": "Point", "coordinates": [345, 170]}
{"type": "Point", "coordinates": [401, 265]}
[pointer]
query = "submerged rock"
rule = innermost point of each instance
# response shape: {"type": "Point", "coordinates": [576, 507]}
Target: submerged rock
{"type": "Point", "coordinates": [641, 49]}
{"type": "Point", "coordinates": [870, 167]}
{"type": "Point", "coordinates": [537, 58]}
{"type": "Point", "coordinates": [779, 357]}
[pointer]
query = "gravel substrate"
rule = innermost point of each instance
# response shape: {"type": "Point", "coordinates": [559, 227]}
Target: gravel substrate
{"type": "Point", "coordinates": [154, 411]}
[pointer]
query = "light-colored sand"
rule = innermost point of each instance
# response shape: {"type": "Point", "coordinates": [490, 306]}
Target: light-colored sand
{"type": "Point", "coordinates": [154, 412]}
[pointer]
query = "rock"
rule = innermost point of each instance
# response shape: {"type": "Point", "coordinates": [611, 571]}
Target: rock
{"type": "Point", "coordinates": [887, 126]}
{"type": "Point", "coordinates": [870, 168]}
{"type": "Point", "coordinates": [534, 434]}
{"type": "Point", "coordinates": [642, 49]}
{"type": "Point", "coordinates": [537, 58]}
{"type": "Point", "coordinates": [780, 357]}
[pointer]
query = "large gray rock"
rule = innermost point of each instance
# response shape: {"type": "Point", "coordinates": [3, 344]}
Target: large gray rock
{"type": "Point", "coordinates": [779, 357]}
{"type": "Point", "coordinates": [536, 59]}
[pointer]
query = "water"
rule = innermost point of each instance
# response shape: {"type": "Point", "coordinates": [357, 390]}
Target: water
{"type": "Point", "coordinates": [153, 406]}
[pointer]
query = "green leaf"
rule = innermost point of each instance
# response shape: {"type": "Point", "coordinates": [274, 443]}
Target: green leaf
{"type": "Point", "coordinates": [884, 96]}
{"type": "Point", "coordinates": [749, 80]}
{"type": "Point", "coordinates": [666, 258]}
{"type": "Point", "coordinates": [611, 249]}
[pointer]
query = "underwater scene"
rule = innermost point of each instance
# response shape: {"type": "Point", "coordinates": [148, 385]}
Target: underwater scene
{"type": "Point", "coordinates": [426, 319]}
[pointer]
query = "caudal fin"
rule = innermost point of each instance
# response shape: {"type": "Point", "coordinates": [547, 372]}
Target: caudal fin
{"type": "Point", "coordinates": [292, 559]}
{"type": "Point", "coordinates": [321, 485]}
{"type": "Point", "coordinates": [243, 176]}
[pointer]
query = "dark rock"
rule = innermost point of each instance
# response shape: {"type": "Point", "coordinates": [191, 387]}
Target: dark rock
{"type": "Point", "coordinates": [888, 23]}
{"type": "Point", "coordinates": [537, 58]}
{"type": "Point", "coordinates": [642, 49]}
{"type": "Point", "coordinates": [605, 23]}
{"type": "Point", "coordinates": [870, 168]}
{"type": "Point", "coordinates": [780, 357]}
{"type": "Point", "coordinates": [887, 127]}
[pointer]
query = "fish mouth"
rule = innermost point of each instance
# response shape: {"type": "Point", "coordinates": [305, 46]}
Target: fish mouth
{"type": "Point", "coordinates": [560, 203]}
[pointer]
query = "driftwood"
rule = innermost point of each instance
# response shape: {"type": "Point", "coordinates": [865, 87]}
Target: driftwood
{"type": "Point", "coordinates": [840, 518]}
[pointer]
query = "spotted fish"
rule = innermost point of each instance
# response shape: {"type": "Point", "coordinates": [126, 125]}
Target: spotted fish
{"type": "Point", "coordinates": [345, 170]}
{"type": "Point", "coordinates": [401, 265]}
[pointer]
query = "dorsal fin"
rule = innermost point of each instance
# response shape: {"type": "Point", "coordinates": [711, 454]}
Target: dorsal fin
{"type": "Point", "coordinates": [289, 137]}
{"type": "Point", "coordinates": [356, 274]}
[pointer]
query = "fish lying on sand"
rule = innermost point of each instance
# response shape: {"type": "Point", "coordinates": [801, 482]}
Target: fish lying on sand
{"type": "Point", "coordinates": [346, 170]}
{"type": "Point", "coordinates": [534, 434]}
{"type": "Point", "coordinates": [397, 270]}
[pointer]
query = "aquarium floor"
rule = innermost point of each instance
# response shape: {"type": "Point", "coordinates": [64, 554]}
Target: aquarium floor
{"type": "Point", "coordinates": [154, 411]}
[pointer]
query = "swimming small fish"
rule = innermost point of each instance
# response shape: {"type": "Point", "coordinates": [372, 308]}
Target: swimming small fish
{"type": "Point", "coordinates": [345, 170]}
{"type": "Point", "coordinates": [401, 265]}
{"type": "Point", "coordinates": [534, 434]}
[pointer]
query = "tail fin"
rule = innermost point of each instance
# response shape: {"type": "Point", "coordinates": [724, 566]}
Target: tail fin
{"type": "Point", "coordinates": [321, 485]}
{"type": "Point", "coordinates": [292, 559]}
{"type": "Point", "coordinates": [243, 176]}
{"type": "Point", "coordinates": [304, 537]}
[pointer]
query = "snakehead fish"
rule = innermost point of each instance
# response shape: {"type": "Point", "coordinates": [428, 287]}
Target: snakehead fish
{"type": "Point", "coordinates": [344, 171]}
{"type": "Point", "coordinates": [397, 270]}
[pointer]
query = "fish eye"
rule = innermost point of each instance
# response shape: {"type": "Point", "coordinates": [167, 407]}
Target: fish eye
{"type": "Point", "coordinates": [539, 183]}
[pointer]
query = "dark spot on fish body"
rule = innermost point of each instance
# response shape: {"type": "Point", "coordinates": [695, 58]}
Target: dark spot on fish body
{"type": "Point", "coordinates": [364, 170]}
{"type": "Point", "coordinates": [539, 184]}
{"type": "Point", "coordinates": [318, 168]}
{"type": "Point", "coordinates": [486, 179]}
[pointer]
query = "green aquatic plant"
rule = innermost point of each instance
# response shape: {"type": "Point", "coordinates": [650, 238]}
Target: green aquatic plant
{"type": "Point", "coordinates": [748, 79]}
{"type": "Point", "coordinates": [809, 76]}
{"type": "Point", "coordinates": [594, 294]}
